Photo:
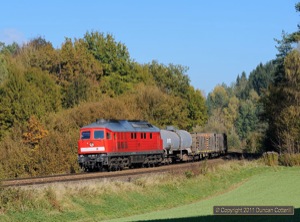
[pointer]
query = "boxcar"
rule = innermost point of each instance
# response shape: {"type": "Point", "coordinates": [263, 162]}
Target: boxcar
{"type": "Point", "coordinates": [209, 144]}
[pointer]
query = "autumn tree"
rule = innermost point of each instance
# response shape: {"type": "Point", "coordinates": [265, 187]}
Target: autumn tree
{"type": "Point", "coordinates": [217, 99]}
{"type": "Point", "coordinates": [231, 113]}
{"type": "Point", "coordinates": [235, 109]}
{"type": "Point", "coordinates": [197, 109]}
{"type": "Point", "coordinates": [39, 53]}
{"type": "Point", "coordinates": [35, 132]}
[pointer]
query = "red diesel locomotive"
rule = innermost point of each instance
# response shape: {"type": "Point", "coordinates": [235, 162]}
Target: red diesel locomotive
{"type": "Point", "coordinates": [115, 144]}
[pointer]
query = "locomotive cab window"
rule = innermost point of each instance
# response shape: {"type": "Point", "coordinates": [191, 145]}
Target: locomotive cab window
{"type": "Point", "coordinates": [98, 134]}
{"type": "Point", "coordinates": [85, 135]}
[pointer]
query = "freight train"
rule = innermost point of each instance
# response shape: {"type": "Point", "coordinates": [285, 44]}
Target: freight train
{"type": "Point", "coordinates": [118, 144]}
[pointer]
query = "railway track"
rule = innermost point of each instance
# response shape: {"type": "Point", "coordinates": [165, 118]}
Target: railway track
{"type": "Point", "coordinates": [116, 175]}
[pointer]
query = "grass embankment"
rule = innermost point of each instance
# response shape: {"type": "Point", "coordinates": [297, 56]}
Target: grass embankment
{"type": "Point", "coordinates": [108, 200]}
{"type": "Point", "coordinates": [270, 188]}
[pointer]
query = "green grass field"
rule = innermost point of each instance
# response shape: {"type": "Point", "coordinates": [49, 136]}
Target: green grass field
{"type": "Point", "coordinates": [162, 197]}
{"type": "Point", "coordinates": [281, 187]}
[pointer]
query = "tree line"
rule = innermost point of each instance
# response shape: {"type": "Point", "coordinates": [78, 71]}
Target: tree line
{"type": "Point", "coordinates": [47, 94]}
{"type": "Point", "coordinates": [261, 112]}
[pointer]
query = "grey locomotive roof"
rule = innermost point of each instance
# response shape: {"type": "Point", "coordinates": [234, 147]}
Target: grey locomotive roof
{"type": "Point", "coordinates": [124, 125]}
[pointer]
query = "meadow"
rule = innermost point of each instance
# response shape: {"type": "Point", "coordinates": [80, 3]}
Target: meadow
{"type": "Point", "coordinates": [165, 197]}
{"type": "Point", "coordinates": [270, 188]}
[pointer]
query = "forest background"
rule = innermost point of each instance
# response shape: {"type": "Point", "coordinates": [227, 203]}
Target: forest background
{"type": "Point", "coordinates": [47, 94]}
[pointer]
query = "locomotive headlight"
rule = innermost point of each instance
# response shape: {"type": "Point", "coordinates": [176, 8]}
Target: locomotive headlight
{"type": "Point", "coordinates": [91, 144]}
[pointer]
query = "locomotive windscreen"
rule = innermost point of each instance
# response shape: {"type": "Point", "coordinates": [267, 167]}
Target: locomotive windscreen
{"type": "Point", "coordinates": [85, 135]}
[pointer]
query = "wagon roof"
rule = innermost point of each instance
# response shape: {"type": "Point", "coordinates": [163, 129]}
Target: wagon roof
{"type": "Point", "coordinates": [124, 125]}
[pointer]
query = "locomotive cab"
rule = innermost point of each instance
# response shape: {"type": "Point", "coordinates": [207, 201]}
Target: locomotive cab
{"type": "Point", "coordinates": [93, 147]}
{"type": "Point", "coordinates": [94, 141]}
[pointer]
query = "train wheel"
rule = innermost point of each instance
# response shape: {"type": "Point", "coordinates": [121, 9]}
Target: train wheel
{"type": "Point", "coordinates": [113, 164]}
{"type": "Point", "coordinates": [126, 162]}
{"type": "Point", "coordinates": [86, 169]}
{"type": "Point", "coordinates": [120, 164]}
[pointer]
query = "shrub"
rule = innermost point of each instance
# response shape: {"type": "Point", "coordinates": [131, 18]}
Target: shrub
{"type": "Point", "coordinates": [270, 158]}
{"type": "Point", "coordinates": [50, 196]}
{"type": "Point", "coordinates": [289, 159]}
{"type": "Point", "coordinates": [188, 174]}
{"type": "Point", "coordinates": [204, 167]}
{"type": "Point", "coordinates": [15, 199]}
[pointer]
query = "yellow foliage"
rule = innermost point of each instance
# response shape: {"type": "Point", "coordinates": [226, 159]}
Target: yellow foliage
{"type": "Point", "coordinates": [35, 132]}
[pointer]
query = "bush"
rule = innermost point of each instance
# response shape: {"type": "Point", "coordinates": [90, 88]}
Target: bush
{"type": "Point", "coordinates": [204, 168]}
{"type": "Point", "coordinates": [188, 174]}
{"type": "Point", "coordinates": [289, 159]}
{"type": "Point", "coordinates": [254, 142]}
{"type": "Point", "coordinates": [15, 199]}
{"type": "Point", "coordinates": [270, 158]}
